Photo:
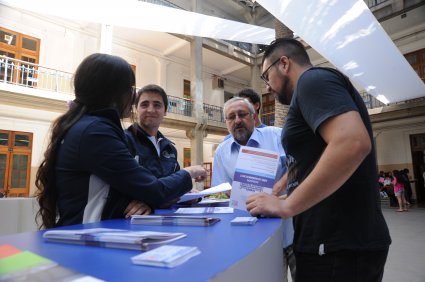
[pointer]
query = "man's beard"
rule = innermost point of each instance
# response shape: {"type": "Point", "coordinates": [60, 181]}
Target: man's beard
{"type": "Point", "coordinates": [242, 136]}
{"type": "Point", "coordinates": [285, 95]}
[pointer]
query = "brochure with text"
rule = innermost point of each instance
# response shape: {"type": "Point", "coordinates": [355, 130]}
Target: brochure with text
{"type": "Point", "coordinates": [173, 220]}
{"type": "Point", "coordinates": [204, 210]}
{"type": "Point", "coordinates": [224, 187]}
{"type": "Point", "coordinates": [113, 238]}
{"type": "Point", "coordinates": [255, 172]}
{"type": "Point", "coordinates": [166, 256]}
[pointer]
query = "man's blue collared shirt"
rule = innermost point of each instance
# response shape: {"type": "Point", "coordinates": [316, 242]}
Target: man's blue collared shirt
{"type": "Point", "coordinates": [225, 157]}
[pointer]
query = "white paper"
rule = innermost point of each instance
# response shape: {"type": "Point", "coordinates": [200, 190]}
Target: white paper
{"type": "Point", "coordinates": [208, 201]}
{"type": "Point", "coordinates": [205, 210]}
{"type": "Point", "coordinates": [224, 187]}
{"type": "Point", "coordinates": [255, 172]}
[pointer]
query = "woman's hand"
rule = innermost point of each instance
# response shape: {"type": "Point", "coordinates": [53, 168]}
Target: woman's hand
{"type": "Point", "coordinates": [137, 207]}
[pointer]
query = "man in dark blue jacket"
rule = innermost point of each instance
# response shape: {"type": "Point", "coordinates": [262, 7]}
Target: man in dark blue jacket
{"type": "Point", "coordinates": [150, 147]}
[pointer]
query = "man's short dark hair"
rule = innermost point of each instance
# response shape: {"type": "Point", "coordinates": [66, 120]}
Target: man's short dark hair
{"type": "Point", "coordinates": [289, 47]}
{"type": "Point", "coordinates": [156, 89]}
{"type": "Point", "coordinates": [251, 95]}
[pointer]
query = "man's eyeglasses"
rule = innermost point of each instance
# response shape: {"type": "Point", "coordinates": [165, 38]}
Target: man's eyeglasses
{"type": "Point", "coordinates": [241, 115]}
{"type": "Point", "coordinates": [264, 76]}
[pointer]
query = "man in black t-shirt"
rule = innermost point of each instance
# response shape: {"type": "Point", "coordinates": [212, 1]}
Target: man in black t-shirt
{"type": "Point", "coordinates": [340, 232]}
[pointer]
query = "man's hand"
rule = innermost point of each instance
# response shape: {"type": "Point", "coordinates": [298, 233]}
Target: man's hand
{"type": "Point", "coordinates": [197, 172]}
{"type": "Point", "coordinates": [137, 207]}
{"type": "Point", "coordinates": [265, 204]}
{"type": "Point", "coordinates": [193, 201]}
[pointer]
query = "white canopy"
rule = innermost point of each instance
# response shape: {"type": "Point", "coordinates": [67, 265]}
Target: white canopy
{"type": "Point", "coordinates": [344, 32]}
{"type": "Point", "coordinates": [348, 35]}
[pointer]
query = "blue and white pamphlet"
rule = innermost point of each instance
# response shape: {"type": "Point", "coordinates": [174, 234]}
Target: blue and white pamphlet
{"type": "Point", "coordinates": [113, 238]}
{"type": "Point", "coordinates": [244, 220]}
{"type": "Point", "coordinates": [166, 256]}
{"type": "Point", "coordinates": [255, 172]}
{"type": "Point", "coordinates": [205, 210]}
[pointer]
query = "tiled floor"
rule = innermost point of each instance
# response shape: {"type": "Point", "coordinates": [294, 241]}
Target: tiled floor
{"type": "Point", "coordinates": [406, 259]}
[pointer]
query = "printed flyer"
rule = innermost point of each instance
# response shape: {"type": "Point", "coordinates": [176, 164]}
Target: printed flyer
{"type": "Point", "coordinates": [255, 172]}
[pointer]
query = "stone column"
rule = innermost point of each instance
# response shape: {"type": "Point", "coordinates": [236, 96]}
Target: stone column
{"type": "Point", "coordinates": [196, 134]}
{"type": "Point", "coordinates": [196, 91]}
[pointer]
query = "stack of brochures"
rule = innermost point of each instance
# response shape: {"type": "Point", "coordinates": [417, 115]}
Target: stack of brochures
{"type": "Point", "coordinates": [204, 210]}
{"type": "Point", "coordinates": [113, 238]}
{"type": "Point", "coordinates": [244, 220]}
{"type": "Point", "coordinates": [166, 256]}
{"type": "Point", "coordinates": [173, 220]}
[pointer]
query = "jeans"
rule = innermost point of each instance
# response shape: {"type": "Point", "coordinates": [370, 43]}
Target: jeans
{"type": "Point", "coordinates": [346, 266]}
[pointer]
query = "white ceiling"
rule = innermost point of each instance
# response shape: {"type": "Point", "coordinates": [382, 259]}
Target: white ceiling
{"type": "Point", "coordinates": [171, 46]}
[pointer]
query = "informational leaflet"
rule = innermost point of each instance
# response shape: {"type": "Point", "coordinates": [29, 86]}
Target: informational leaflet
{"type": "Point", "coordinates": [255, 172]}
{"type": "Point", "coordinates": [173, 220]}
{"type": "Point", "coordinates": [224, 187]}
{"type": "Point", "coordinates": [244, 220]}
{"type": "Point", "coordinates": [113, 238]}
{"type": "Point", "coordinates": [204, 210]}
{"type": "Point", "coordinates": [166, 256]}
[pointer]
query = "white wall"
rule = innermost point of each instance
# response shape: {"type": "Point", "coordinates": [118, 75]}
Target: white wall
{"type": "Point", "coordinates": [393, 144]}
{"type": "Point", "coordinates": [62, 47]}
{"type": "Point", "coordinates": [34, 121]}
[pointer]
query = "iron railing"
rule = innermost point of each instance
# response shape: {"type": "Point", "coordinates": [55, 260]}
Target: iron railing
{"type": "Point", "coordinates": [214, 113]}
{"type": "Point", "coordinates": [27, 74]}
{"type": "Point", "coordinates": [370, 101]}
{"type": "Point", "coordinates": [373, 3]}
{"type": "Point", "coordinates": [180, 106]}
{"type": "Point", "coordinates": [17, 72]}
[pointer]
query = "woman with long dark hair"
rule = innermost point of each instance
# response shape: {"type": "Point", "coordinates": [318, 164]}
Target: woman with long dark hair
{"type": "Point", "coordinates": [88, 173]}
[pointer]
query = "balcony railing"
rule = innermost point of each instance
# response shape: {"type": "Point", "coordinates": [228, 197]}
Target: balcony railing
{"type": "Point", "coordinates": [370, 101]}
{"type": "Point", "coordinates": [17, 72]}
{"type": "Point", "coordinates": [180, 106]}
{"type": "Point", "coordinates": [214, 113]}
{"type": "Point", "coordinates": [27, 74]}
{"type": "Point", "coordinates": [373, 3]}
